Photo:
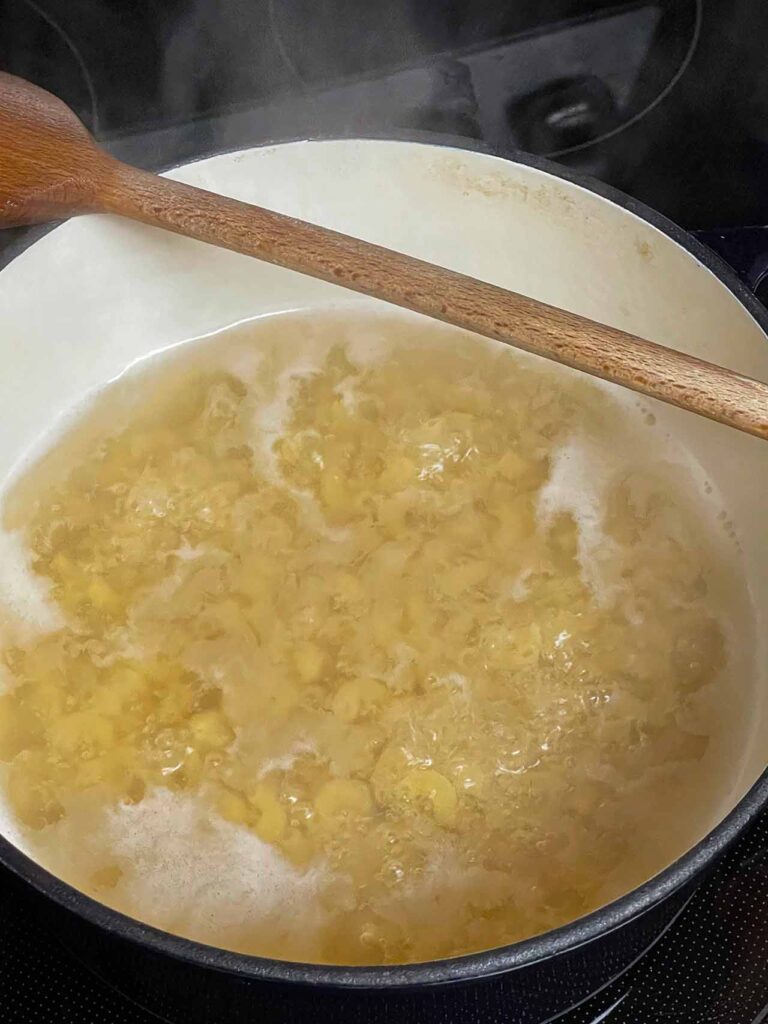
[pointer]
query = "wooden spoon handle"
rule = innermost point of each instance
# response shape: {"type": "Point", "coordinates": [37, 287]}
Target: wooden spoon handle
{"type": "Point", "coordinates": [454, 298]}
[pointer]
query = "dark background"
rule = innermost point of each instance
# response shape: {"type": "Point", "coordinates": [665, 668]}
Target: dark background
{"type": "Point", "coordinates": [142, 70]}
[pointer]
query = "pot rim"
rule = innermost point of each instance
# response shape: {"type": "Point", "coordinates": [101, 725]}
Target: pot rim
{"type": "Point", "coordinates": [486, 963]}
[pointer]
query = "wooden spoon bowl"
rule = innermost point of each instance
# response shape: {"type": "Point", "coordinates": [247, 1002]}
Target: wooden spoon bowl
{"type": "Point", "coordinates": [50, 165]}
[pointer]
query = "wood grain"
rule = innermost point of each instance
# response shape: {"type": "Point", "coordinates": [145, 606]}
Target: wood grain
{"type": "Point", "coordinates": [50, 167]}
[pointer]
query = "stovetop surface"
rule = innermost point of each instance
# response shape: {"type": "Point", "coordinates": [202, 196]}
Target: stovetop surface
{"type": "Point", "coordinates": [711, 965]}
{"type": "Point", "coordinates": [665, 99]}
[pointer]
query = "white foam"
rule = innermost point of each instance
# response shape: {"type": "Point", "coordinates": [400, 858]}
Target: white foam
{"type": "Point", "coordinates": [284, 762]}
{"type": "Point", "coordinates": [518, 587]}
{"type": "Point", "coordinates": [364, 347]}
{"type": "Point", "coordinates": [271, 419]}
{"type": "Point", "coordinates": [269, 424]}
{"type": "Point", "coordinates": [455, 681]}
{"type": "Point", "coordinates": [10, 826]}
{"type": "Point", "coordinates": [244, 362]}
{"type": "Point", "coordinates": [191, 870]}
{"type": "Point", "coordinates": [25, 594]}
{"type": "Point", "coordinates": [187, 553]}
{"type": "Point", "coordinates": [29, 610]}
{"type": "Point", "coordinates": [579, 475]}
{"type": "Point", "coordinates": [370, 344]}
{"type": "Point", "coordinates": [347, 392]}
{"type": "Point", "coordinates": [585, 467]}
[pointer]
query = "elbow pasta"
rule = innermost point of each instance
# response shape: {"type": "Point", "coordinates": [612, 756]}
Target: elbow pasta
{"type": "Point", "coordinates": [325, 602]}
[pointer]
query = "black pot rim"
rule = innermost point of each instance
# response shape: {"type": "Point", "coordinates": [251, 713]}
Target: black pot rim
{"type": "Point", "coordinates": [490, 962]}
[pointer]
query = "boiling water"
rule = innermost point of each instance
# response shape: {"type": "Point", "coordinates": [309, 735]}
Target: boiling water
{"type": "Point", "coordinates": [351, 639]}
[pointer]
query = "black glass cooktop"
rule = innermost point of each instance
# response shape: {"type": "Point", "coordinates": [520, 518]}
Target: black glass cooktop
{"type": "Point", "coordinates": [709, 967]}
{"type": "Point", "coordinates": [665, 99]}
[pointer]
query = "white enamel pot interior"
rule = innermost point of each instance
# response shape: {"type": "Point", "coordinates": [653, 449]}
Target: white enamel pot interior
{"type": "Point", "coordinates": [98, 293]}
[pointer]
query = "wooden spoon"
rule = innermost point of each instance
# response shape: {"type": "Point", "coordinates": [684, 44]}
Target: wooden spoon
{"type": "Point", "coordinates": [50, 167]}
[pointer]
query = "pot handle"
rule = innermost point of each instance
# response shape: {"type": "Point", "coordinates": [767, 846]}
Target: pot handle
{"type": "Point", "coordinates": [746, 250]}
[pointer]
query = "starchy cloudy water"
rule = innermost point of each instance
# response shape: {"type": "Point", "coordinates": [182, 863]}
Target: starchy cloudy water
{"type": "Point", "coordinates": [349, 638]}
